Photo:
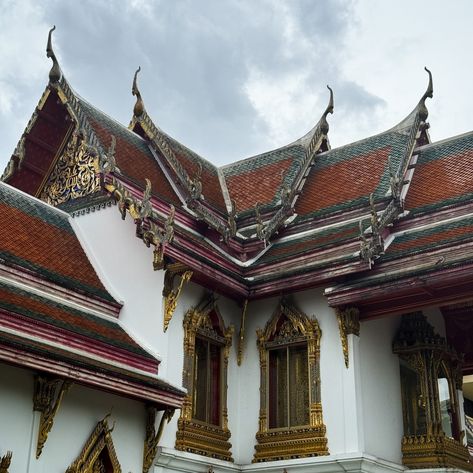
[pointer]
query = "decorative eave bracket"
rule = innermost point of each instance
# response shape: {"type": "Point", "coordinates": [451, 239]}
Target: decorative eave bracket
{"type": "Point", "coordinates": [241, 335]}
{"type": "Point", "coordinates": [171, 295]}
{"type": "Point", "coordinates": [47, 398]}
{"type": "Point", "coordinates": [152, 436]}
{"type": "Point", "coordinates": [348, 323]}
{"type": "Point", "coordinates": [5, 462]}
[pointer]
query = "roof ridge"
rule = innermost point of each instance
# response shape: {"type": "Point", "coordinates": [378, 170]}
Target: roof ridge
{"type": "Point", "coordinates": [114, 120]}
{"type": "Point", "coordinates": [444, 140]}
{"type": "Point", "coordinates": [50, 207]}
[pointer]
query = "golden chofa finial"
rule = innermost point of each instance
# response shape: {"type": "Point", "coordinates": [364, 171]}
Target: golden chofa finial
{"type": "Point", "coordinates": [55, 72]}
{"type": "Point", "coordinates": [323, 121]}
{"type": "Point", "coordinates": [423, 112]}
{"type": "Point", "coordinates": [139, 107]}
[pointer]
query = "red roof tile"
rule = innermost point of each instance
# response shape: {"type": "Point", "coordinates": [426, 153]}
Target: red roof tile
{"type": "Point", "coordinates": [441, 179]}
{"type": "Point", "coordinates": [257, 186]}
{"type": "Point", "coordinates": [41, 239]}
{"type": "Point", "coordinates": [342, 182]}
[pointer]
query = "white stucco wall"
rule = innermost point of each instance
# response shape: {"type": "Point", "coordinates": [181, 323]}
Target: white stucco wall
{"type": "Point", "coordinates": [16, 406]}
{"type": "Point", "coordinates": [75, 420]}
{"type": "Point", "coordinates": [381, 389]}
{"type": "Point", "coordinates": [361, 404]}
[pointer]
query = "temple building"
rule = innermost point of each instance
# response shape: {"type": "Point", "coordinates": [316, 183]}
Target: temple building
{"type": "Point", "coordinates": [307, 309]}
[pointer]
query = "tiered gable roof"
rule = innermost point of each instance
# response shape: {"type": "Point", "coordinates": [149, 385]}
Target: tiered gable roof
{"type": "Point", "coordinates": [442, 175]}
{"type": "Point", "coordinates": [40, 239]}
{"type": "Point", "coordinates": [56, 316]}
{"type": "Point", "coordinates": [429, 253]}
{"type": "Point", "coordinates": [297, 216]}
{"type": "Point", "coordinates": [132, 153]}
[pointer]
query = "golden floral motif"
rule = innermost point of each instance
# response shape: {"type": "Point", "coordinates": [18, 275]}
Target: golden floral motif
{"type": "Point", "coordinates": [75, 174]}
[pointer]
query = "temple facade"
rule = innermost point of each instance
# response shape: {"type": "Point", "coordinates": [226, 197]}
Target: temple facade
{"type": "Point", "coordinates": [306, 309]}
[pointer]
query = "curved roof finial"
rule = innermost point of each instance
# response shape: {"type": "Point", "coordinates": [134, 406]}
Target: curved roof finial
{"type": "Point", "coordinates": [55, 72]}
{"type": "Point", "coordinates": [423, 112]}
{"type": "Point", "coordinates": [324, 124]}
{"type": "Point", "coordinates": [139, 107]}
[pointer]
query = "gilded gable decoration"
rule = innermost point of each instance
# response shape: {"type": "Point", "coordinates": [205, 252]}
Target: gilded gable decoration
{"type": "Point", "coordinates": [98, 454]}
{"type": "Point", "coordinates": [152, 436]}
{"type": "Point", "coordinates": [76, 173]}
{"type": "Point", "coordinates": [290, 420]}
{"type": "Point", "coordinates": [430, 376]}
{"type": "Point", "coordinates": [47, 398]}
{"type": "Point", "coordinates": [203, 424]}
{"type": "Point", "coordinates": [5, 462]}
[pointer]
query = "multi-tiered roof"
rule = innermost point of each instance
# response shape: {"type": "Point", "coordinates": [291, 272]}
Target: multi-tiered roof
{"type": "Point", "coordinates": [383, 223]}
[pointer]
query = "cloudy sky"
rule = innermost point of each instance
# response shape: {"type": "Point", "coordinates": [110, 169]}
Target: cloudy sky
{"type": "Point", "coordinates": [234, 78]}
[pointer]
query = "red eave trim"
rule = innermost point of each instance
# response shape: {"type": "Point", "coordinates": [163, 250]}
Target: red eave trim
{"type": "Point", "coordinates": [105, 382]}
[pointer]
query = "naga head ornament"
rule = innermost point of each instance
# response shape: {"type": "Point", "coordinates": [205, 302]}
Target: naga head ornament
{"type": "Point", "coordinates": [55, 72]}
{"type": "Point", "coordinates": [423, 112]}
{"type": "Point", "coordinates": [139, 107]}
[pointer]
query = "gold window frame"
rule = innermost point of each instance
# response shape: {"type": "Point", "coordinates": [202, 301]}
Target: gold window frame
{"type": "Point", "coordinates": [298, 441]}
{"type": "Point", "coordinates": [194, 435]}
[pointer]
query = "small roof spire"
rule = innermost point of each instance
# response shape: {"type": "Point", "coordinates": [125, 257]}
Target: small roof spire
{"type": "Point", "coordinates": [139, 107]}
{"type": "Point", "coordinates": [55, 72]}
{"type": "Point", "coordinates": [423, 112]}
{"type": "Point", "coordinates": [323, 121]}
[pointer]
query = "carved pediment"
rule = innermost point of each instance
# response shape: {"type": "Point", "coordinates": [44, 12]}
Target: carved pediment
{"type": "Point", "coordinates": [75, 173]}
{"type": "Point", "coordinates": [98, 454]}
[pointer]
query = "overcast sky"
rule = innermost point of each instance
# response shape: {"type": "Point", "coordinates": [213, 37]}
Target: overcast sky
{"type": "Point", "coordinates": [231, 79]}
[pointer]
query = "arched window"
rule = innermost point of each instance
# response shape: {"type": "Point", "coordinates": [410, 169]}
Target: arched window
{"type": "Point", "coordinates": [290, 421]}
{"type": "Point", "coordinates": [203, 424]}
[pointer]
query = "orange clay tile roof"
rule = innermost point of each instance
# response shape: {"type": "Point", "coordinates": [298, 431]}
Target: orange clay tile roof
{"type": "Point", "coordinates": [37, 237]}
{"type": "Point", "coordinates": [65, 318]}
{"type": "Point", "coordinates": [317, 241]}
{"type": "Point", "coordinates": [443, 175]}
{"type": "Point", "coordinates": [436, 237]}
{"type": "Point", "coordinates": [132, 153]}
{"type": "Point", "coordinates": [343, 178]}
{"type": "Point", "coordinates": [259, 179]}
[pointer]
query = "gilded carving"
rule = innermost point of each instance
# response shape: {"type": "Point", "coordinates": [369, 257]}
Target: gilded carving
{"type": "Point", "coordinates": [290, 326]}
{"type": "Point", "coordinates": [5, 462]}
{"type": "Point", "coordinates": [108, 163]}
{"type": "Point", "coordinates": [75, 175]}
{"type": "Point", "coordinates": [97, 451]}
{"type": "Point", "coordinates": [194, 435]}
{"type": "Point", "coordinates": [152, 436]}
{"type": "Point", "coordinates": [241, 335]}
{"type": "Point", "coordinates": [47, 398]}
{"type": "Point", "coordinates": [425, 444]}
{"type": "Point", "coordinates": [171, 295]}
{"type": "Point", "coordinates": [145, 218]}
{"type": "Point", "coordinates": [348, 323]}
